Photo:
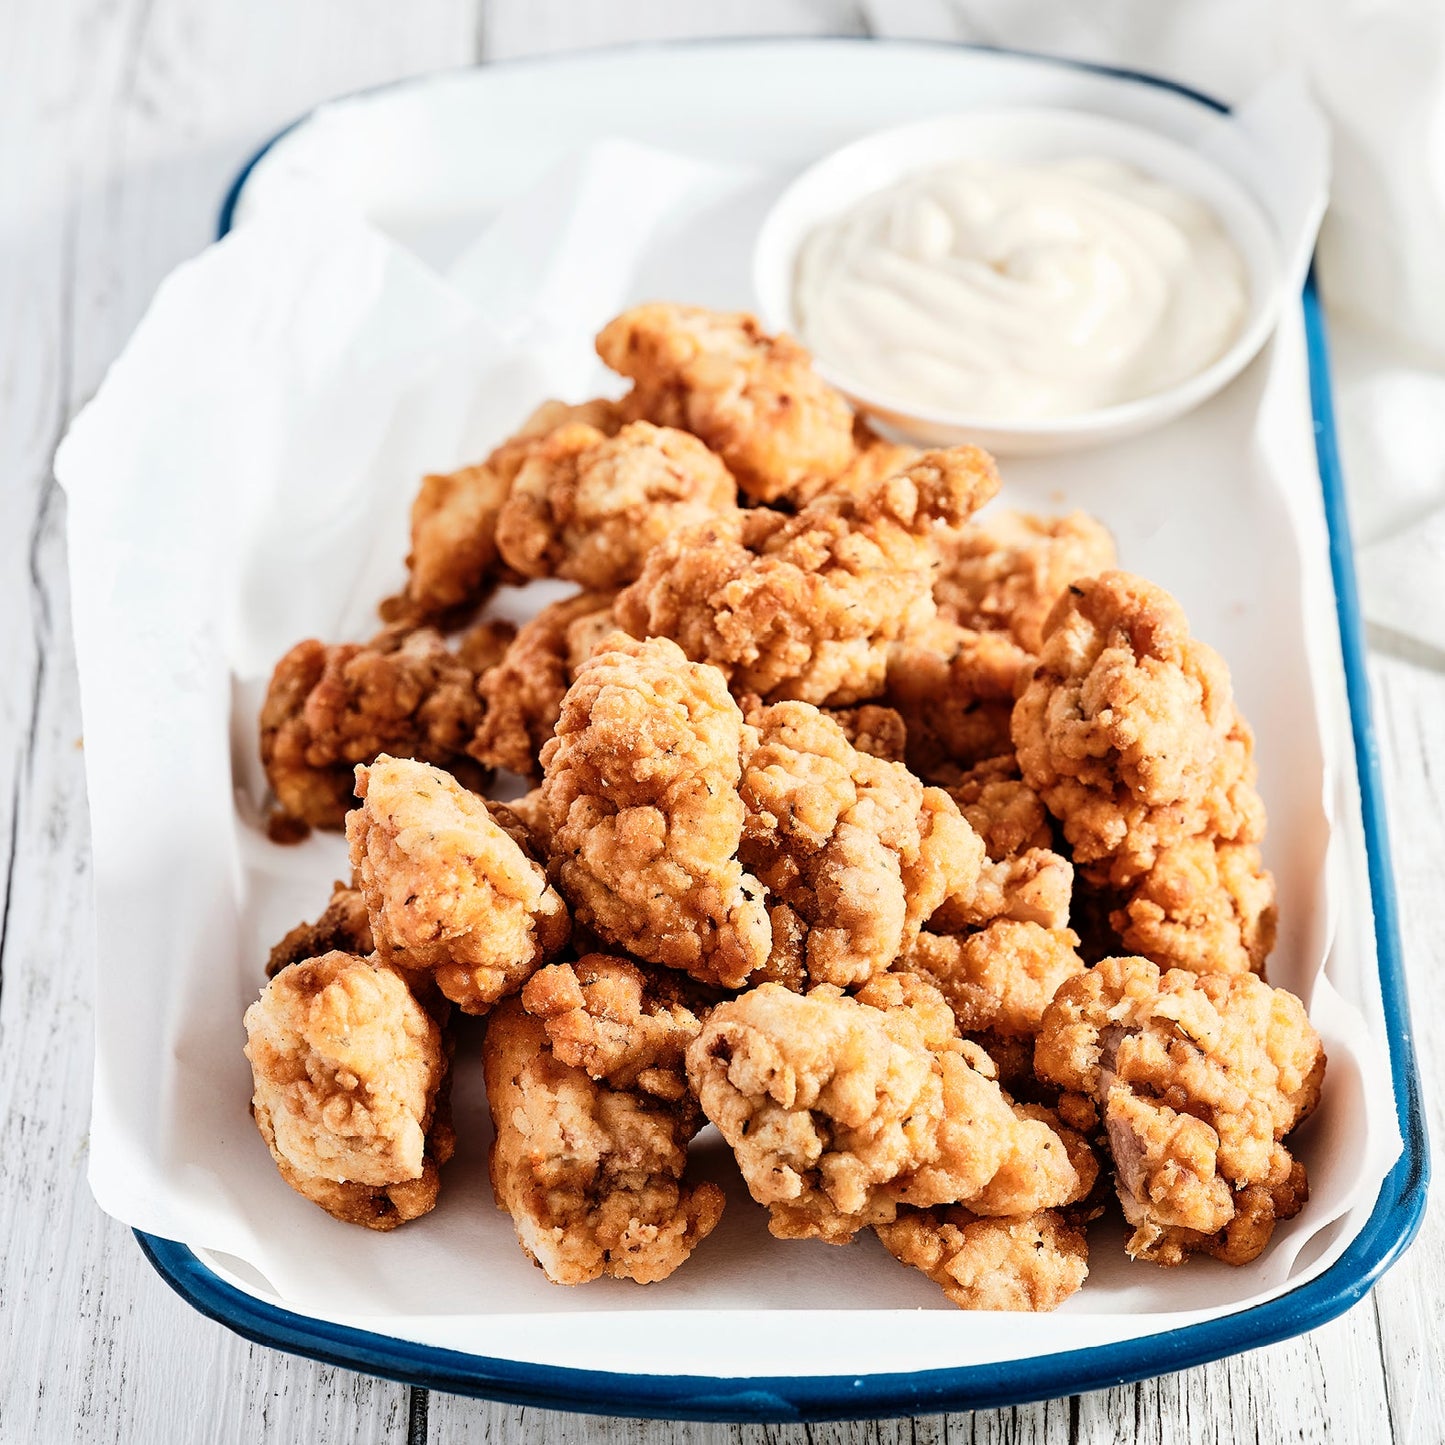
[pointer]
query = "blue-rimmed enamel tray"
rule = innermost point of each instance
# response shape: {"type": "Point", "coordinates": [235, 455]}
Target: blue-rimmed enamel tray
{"type": "Point", "coordinates": [373, 151]}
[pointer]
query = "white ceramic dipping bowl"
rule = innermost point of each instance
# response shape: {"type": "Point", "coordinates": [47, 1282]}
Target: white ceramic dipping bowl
{"type": "Point", "coordinates": [841, 179]}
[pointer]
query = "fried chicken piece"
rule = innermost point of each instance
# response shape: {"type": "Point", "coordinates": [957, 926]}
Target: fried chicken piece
{"type": "Point", "coordinates": [1196, 1079]}
{"type": "Point", "coordinates": [1002, 809]}
{"type": "Point", "coordinates": [874, 460]}
{"type": "Point", "coordinates": [343, 927]}
{"type": "Point", "coordinates": [1000, 979]}
{"type": "Point", "coordinates": [593, 1176]}
{"type": "Point", "coordinates": [350, 1078]}
{"type": "Point", "coordinates": [753, 398]}
{"type": "Point", "coordinates": [523, 692]}
{"type": "Point", "coordinates": [1023, 879]}
{"type": "Point", "coordinates": [856, 854]}
{"type": "Point", "coordinates": [590, 508]}
{"type": "Point", "coordinates": [877, 731]}
{"type": "Point", "coordinates": [447, 890]}
{"type": "Point", "coordinates": [1034, 1262]}
{"type": "Point", "coordinates": [453, 560]}
{"type": "Point", "coordinates": [804, 607]}
{"type": "Point", "coordinates": [954, 689]}
{"type": "Point", "coordinates": [331, 706]}
{"type": "Point", "coordinates": [641, 789]}
{"type": "Point", "coordinates": [839, 1109]}
{"type": "Point", "coordinates": [1004, 572]}
{"type": "Point", "coordinates": [485, 644]}
{"type": "Point", "coordinates": [1204, 906]}
{"type": "Point", "coordinates": [1128, 731]}
{"type": "Point", "coordinates": [622, 1024]}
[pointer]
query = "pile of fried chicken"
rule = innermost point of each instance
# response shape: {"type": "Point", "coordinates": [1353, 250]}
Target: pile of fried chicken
{"type": "Point", "coordinates": [919, 854]}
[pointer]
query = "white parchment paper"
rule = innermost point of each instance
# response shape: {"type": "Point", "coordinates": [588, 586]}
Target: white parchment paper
{"type": "Point", "coordinates": [242, 481]}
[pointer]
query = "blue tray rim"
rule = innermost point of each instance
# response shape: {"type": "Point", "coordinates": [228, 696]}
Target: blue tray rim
{"type": "Point", "coordinates": [1391, 1227]}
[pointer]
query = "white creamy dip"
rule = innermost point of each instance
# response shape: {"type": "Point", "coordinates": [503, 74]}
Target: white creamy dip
{"type": "Point", "coordinates": [1021, 290]}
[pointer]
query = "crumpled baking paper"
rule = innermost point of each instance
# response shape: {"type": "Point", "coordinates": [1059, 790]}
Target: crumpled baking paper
{"type": "Point", "coordinates": [242, 481]}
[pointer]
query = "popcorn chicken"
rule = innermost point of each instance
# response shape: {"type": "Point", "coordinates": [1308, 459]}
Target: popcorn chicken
{"type": "Point", "coordinates": [1128, 730]}
{"type": "Point", "coordinates": [1004, 572]}
{"type": "Point", "coordinates": [954, 689]}
{"type": "Point", "coordinates": [641, 789]}
{"type": "Point", "coordinates": [1205, 906]}
{"type": "Point", "coordinates": [447, 889]}
{"type": "Point", "coordinates": [753, 398]}
{"type": "Point", "coordinates": [839, 1109]}
{"type": "Point", "coordinates": [331, 706]}
{"type": "Point", "coordinates": [453, 561]}
{"type": "Point", "coordinates": [523, 691]}
{"type": "Point", "coordinates": [350, 1078]}
{"type": "Point", "coordinates": [1196, 1080]}
{"type": "Point", "coordinates": [1034, 1262]}
{"type": "Point", "coordinates": [589, 507]}
{"type": "Point", "coordinates": [999, 979]}
{"type": "Point", "coordinates": [342, 927]}
{"type": "Point", "coordinates": [854, 852]}
{"type": "Point", "coordinates": [593, 1176]}
{"type": "Point", "coordinates": [620, 1023]}
{"type": "Point", "coordinates": [805, 607]}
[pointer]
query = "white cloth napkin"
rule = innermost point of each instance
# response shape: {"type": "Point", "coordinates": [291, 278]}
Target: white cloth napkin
{"type": "Point", "coordinates": [1377, 69]}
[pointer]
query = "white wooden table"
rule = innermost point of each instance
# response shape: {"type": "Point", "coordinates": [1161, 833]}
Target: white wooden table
{"type": "Point", "coordinates": [121, 122]}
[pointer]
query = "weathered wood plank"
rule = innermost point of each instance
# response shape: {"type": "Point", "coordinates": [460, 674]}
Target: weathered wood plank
{"type": "Point", "coordinates": [133, 117]}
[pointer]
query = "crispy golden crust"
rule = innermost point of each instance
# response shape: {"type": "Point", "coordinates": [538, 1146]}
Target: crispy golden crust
{"type": "Point", "coordinates": [589, 508]}
{"type": "Point", "coordinates": [592, 1176]}
{"type": "Point", "coordinates": [804, 607]}
{"type": "Point", "coordinates": [523, 692]}
{"type": "Point", "coordinates": [1204, 906]}
{"type": "Point", "coordinates": [641, 790]}
{"type": "Point", "coordinates": [1004, 572]}
{"type": "Point", "coordinates": [342, 927]}
{"type": "Point", "coordinates": [1023, 879]}
{"type": "Point", "coordinates": [620, 1022]}
{"type": "Point", "coordinates": [447, 890]}
{"type": "Point", "coordinates": [999, 979]}
{"type": "Point", "coordinates": [954, 689]}
{"type": "Point", "coordinates": [329, 707]}
{"type": "Point", "coordinates": [839, 1109]}
{"type": "Point", "coordinates": [1034, 1262]}
{"type": "Point", "coordinates": [349, 1073]}
{"type": "Point", "coordinates": [1128, 731]}
{"type": "Point", "coordinates": [856, 854]}
{"type": "Point", "coordinates": [485, 643]}
{"type": "Point", "coordinates": [453, 561]}
{"type": "Point", "coordinates": [1196, 1080]}
{"type": "Point", "coordinates": [753, 398]}
{"type": "Point", "coordinates": [872, 729]}
{"type": "Point", "coordinates": [874, 459]}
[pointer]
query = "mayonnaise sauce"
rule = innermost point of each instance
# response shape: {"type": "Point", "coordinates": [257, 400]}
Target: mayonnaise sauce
{"type": "Point", "coordinates": [1021, 290]}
